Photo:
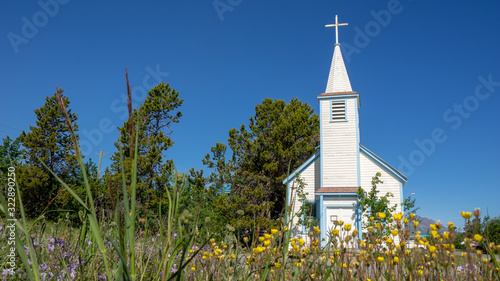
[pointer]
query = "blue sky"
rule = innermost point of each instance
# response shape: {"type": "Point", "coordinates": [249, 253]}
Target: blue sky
{"type": "Point", "coordinates": [417, 72]}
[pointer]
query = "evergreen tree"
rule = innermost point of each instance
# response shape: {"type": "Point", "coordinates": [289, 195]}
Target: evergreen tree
{"type": "Point", "coordinates": [153, 121]}
{"type": "Point", "coordinates": [48, 142]}
{"type": "Point", "coordinates": [280, 136]}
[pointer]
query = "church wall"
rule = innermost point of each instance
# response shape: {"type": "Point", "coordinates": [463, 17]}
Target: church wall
{"type": "Point", "coordinates": [340, 200]}
{"type": "Point", "coordinates": [339, 146]}
{"type": "Point", "coordinates": [311, 177]}
{"type": "Point", "coordinates": [368, 170]}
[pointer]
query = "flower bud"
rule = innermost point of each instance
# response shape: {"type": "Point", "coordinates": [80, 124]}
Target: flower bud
{"type": "Point", "coordinates": [477, 213]}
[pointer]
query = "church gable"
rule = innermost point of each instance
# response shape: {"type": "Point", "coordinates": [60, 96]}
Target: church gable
{"type": "Point", "coordinates": [382, 164]}
{"type": "Point", "coordinates": [392, 182]}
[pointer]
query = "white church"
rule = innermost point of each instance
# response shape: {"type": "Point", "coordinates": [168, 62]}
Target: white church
{"type": "Point", "coordinates": [333, 174]}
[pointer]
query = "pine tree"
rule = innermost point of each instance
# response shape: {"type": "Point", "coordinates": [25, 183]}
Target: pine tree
{"type": "Point", "coordinates": [48, 142]}
{"type": "Point", "coordinates": [153, 121]}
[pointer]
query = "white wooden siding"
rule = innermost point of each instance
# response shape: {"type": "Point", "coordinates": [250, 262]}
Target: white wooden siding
{"type": "Point", "coordinates": [368, 170]}
{"type": "Point", "coordinates": [340, 200]}
{"type": "Point", "coordinates": [311, 178]}
{"type": "Point", "coordinates": [339, 146]}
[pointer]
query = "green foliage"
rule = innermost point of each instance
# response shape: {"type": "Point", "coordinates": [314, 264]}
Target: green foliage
{"type": "Point", "coordinates": [48, 144]}
{"type": "Point", "coordinates": [153, 121]}
{"type": "Point", "coordinates": [486, 226]}
{"type": "Point", "coordinates": [278, 136]}
{"type": "Point", "coordinates": [371, 204]}
{"type": "Point", "coordinates": [491, 229]}
{"type": "Point", "coordinates": [10, 154]}
{"type": "Point", "coordinates": [409, 205]}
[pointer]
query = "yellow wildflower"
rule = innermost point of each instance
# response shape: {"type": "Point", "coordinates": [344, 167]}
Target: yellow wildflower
{"type": "Point", "coordinates": [432, 249]}
{"type": "Point", "coordinates": [466, 215]}
{"type": "Point", "coordinates": [394, 232]}
{"type": "Point", "coordinates": [478, 238]}
{"type": "Point", "coordinates": [412, 216]}
{"type": "Point", "coordinates": [396, 259]}
{"type": "Point", "coordinates": [381, 215]}
{"type": "Point", "coordinates": [415, 224]}
{"type": "Point", "coordinates": [397, 217]}
{"type": "Point", "coordinates": [347, 227]}
{"type": "Point", "coordinates": [335, 232]}
{"type": "Point", "coordinates": [316, 230]}
{"type": "Point", "coordinates": [274, 231]}
{"type": "Point", "coordinates": [380, 259]}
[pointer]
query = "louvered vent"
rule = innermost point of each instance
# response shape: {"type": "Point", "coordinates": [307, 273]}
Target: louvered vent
{"type": "Point", "coordinates": [338, 110]}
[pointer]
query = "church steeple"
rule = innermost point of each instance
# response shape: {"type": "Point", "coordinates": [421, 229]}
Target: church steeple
{"type": "Point", "coordinates": [339, 129]}
{"type": "Point", "coordinates": [338, 80]}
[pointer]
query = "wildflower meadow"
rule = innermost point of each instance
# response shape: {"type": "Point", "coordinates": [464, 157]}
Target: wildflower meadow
{"type": "Point", "coordinates": [123, 245]}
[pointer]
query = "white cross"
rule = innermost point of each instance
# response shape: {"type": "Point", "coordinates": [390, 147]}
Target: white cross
{"type": "Point", "coordinates": [336, 24]}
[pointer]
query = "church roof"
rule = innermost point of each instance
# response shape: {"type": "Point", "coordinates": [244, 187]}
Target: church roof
{"type": "Point", "coordinates": [339, 93]}
{"type": "Point", "coordinates": [338, 80]}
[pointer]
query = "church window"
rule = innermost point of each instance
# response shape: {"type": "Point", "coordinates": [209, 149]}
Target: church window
{"type": "Point", "coordinates": [338, 110]}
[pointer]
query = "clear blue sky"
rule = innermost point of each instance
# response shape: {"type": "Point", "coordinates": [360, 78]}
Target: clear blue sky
{"type": "Point", "coordinates": [412, 71]}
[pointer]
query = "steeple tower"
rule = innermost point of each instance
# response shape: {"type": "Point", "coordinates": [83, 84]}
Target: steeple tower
{"type": "Point", "coordinates": [339, 129]}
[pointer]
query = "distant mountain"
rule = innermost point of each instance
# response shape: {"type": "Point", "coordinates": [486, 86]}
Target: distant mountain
{"type": "Point", "coordinates": [424, 225]}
